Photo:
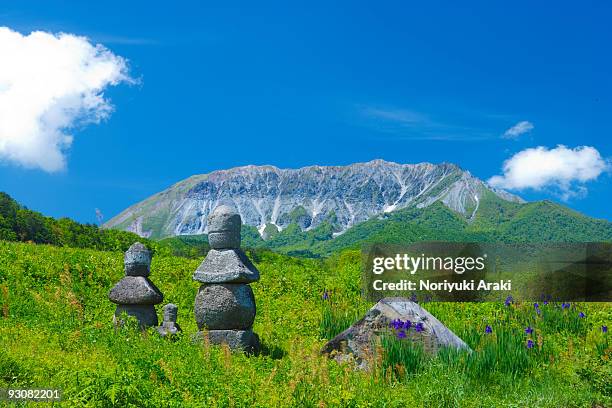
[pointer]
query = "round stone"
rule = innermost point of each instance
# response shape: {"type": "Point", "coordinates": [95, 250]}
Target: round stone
{"type": "Point", "coordinates": [137, 260]}
{"type": "Point", "coordinates": [225, 306]}
{"type": "Point", "coordinates": [224, 218]}
{"type": "Point", "coordinates": [224, 228]}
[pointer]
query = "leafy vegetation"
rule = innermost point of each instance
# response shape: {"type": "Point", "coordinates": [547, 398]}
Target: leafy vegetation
{"type": "Point", "coordinates": [56, 331]}
{"type": "Point", "coordinates": [18, 223]}
{"type": "Point", "coordinates": [497, 220]}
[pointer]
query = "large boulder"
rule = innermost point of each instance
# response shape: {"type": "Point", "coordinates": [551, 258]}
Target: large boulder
{"type": "Point", "coordinates": [359, 341]}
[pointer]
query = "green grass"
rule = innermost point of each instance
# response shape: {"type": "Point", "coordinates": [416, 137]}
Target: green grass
{"type": "Point", "coordinates": [56, 331]}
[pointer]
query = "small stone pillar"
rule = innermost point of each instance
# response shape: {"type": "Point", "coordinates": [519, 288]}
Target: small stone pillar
{"type": "Point", "coordinates": [225, 304]}
{"type": "Point", "coordinates": [169, 326]}
{"type": "Point", "coordinates": [135, 294]}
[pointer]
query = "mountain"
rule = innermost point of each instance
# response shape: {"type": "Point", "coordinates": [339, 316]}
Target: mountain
{"type": "Point", "coordinates": [306, 200]}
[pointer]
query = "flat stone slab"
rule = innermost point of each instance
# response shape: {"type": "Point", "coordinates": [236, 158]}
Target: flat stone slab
{"type": "Point", "coordinates": [244, 340]}
{"type": "Point", "coordinates": [135, 290]}
{"type": "Point", "coordinates": [226, 266]}
{"type": "Point", "coordinates": [358, 342]}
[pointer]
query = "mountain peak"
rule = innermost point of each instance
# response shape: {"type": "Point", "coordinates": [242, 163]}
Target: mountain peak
{"type": "Point", "coordinates": [269, 196]}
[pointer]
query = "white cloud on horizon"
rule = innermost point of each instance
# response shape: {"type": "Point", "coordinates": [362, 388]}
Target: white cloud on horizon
{"type": "Point", "coordinates": [561, 169]}
{"type": "Point", "coordinates": [48, 85]}
{"type": "Point", "coordinates": [519, 129]}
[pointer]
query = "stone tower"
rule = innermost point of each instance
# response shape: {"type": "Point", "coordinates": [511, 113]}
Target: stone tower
{"type": "Point", "coordinates": [225, 304]}
{"type": "Point", "coordinates": [135, 294]}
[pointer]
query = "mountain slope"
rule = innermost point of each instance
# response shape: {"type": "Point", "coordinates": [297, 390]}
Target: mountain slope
{"type": "Point", "coordinates": [272, 199]}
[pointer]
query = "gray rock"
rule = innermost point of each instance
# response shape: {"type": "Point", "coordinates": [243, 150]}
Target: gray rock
{"type": "Point", "coordinates": [170, 312]}
{"type": "Point", "coordinates": [226, 266]}
{"type": "Point", "coordinates": [223, 240]}
{"type": "Point", "coordinates": [135, 290]}
{"type": "Point", "coordinates": [169, 326]}
{"type": "Point", "coordinates": [358, 341]}
{"type": "Point", "coordinates": [224, 228]}
{"type": "Point", "coordinates": [146, 314]}
{"type": "Point", "coordinates": [245, 340]}
{"type": "Point", "coordinates": [137, 260]}
{"type": "Point", "coordinates": [225, 306]}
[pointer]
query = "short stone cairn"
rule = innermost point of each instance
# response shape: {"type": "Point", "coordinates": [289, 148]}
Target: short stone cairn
{"type": "Point", "coordinates": [225, 304]}
{"type": "Point", "coordinates": [169, 327]}
{"type": "Point", "coordinates": [135, 294]}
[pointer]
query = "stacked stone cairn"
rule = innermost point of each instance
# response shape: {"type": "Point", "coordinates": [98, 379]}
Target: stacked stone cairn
{"type": "Point", "coordinates": [169, 327]}
{"type": "Point", "coordinates": [135, 294]}
{"type": "Point", "coordinates": [225, 304]}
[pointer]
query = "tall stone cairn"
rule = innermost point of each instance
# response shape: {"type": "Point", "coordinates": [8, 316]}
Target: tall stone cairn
{"type": "Point", "coordinates": [225, 304]}
{"type": "Point", "coordinates": [135, 294]}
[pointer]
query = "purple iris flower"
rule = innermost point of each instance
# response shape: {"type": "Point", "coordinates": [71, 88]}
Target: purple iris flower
{"type": "Point", "coordinates": [401, 334]}
{"type": "Point", "coordinates": [397, 324]}
{"type": "Point", "coordinates": [508, 301]}
{"type": "Point", "coordinates": [407, 324]}
{"type": "Point", "coordinates": [565, 305]}
{"type": "Point", "coordinates": [488, 329]}
{"type": "Point", "coordinates": [528, 330]}
{"type": "Point", "coordinates": [536, 305]}
{"type": "Point", "coordinates": [581, 315]}
{"type": "Point", "coordinates": [529, 343]}
{"type": "Point", "coordinates": [419, 327]}
{"type": "Point", "coordinates": [325, 295]}
{"type": "Point", "coordinates": [604, 329]}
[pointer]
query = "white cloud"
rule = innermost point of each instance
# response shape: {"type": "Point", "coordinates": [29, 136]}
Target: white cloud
{"type": "Point", "coordinates": [518, 130]}
{"type": "Point", "coordinates": [48, 85]}
{"type": "Point", "coordinates": [561, 168]}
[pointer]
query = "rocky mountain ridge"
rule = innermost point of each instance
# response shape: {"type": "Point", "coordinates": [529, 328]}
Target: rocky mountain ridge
{"type": "Point", "coordinates": [268, 197]}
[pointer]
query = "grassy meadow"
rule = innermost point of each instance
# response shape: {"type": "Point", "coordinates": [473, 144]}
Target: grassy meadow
{"type": "Point", "coordinates": [56, 331]}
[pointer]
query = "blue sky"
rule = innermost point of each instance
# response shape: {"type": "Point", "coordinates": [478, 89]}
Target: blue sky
{"type": "Point", "coordinates": [250, 83]}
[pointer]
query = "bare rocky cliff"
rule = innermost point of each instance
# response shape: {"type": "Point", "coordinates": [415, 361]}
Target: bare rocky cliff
{"type": "Point", "coordinates": [266, 196]}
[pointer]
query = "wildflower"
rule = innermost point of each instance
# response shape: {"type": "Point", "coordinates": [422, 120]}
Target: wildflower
{"type": "Point", "coordinates": [545, 302]}
{"type": "Point", "coordinates": [397, 324]}
{"type": "Point", "coordinates": [325, 295]}
{"type": "Point", "coordinates": [419, 327]}
{"type": "Point", "coordinates": [488, 329]}
{"type": "Point", "coordinates": [528, 330]}
{"type": "Point", "coordinates": [581, 315]}
{"type": "Point", "coordinates": [565, 305]}
{"type": "Point", "coordinates": [529, 343]}
{"type": "Point", "coordinates": [536, 305]}
{"type": "Point", "coordinates": [508, 301]}
{"type": "Point", "coordinates": [407, 324]}
{"type": "Point", "coordinates": [604, 329]}
{"type": "Point", "coordinates": [401, 334]}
